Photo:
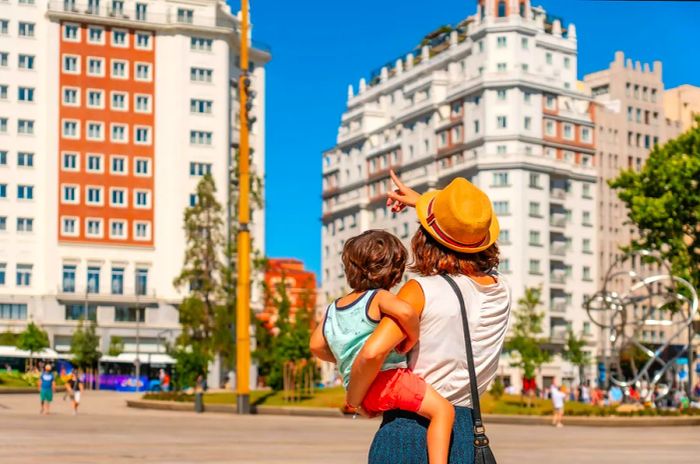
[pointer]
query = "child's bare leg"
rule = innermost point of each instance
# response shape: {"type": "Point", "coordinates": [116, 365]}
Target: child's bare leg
{"type": "Point", "coordinates": [441, 414]}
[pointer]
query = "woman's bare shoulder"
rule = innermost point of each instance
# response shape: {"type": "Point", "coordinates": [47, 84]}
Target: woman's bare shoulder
{"type": "Point", "coordinates": [412, 293]}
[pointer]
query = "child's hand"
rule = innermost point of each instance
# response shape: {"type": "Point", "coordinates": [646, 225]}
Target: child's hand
{"type": "Point", "coordinates": [402, 196]}
{"type": "Point", "coordinates": [406, 344]}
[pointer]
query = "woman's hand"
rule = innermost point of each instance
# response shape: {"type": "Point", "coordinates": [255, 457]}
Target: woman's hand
{"type": "Point", "coordinates": [402, 196]}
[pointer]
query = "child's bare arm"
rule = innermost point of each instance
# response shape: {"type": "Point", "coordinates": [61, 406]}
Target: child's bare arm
{"type": "Point", "coordinates": [319, 347]}
{"type": "Point", "coordinates": [403, 313]}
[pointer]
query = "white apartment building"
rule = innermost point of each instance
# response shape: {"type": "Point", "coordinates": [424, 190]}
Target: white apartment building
{"type": "Point", "coordinates": [111, 111]}
{"type": "Point", "coordinates": [493, 100]}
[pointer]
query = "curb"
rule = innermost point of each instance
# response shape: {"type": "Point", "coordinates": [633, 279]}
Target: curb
{"type": "Point", "coordinates": [578, 421]}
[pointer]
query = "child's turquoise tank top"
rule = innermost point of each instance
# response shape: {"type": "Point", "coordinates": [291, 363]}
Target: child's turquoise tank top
{"type": "Point", "coordinates": [347, 328]}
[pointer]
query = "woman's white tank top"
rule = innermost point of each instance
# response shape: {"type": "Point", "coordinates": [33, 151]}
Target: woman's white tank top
{"type": "Point", "coordinates": [440, 355]}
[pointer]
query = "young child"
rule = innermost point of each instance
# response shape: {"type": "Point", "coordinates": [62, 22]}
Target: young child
{"type": "Point", "coordinates": [374, 262]}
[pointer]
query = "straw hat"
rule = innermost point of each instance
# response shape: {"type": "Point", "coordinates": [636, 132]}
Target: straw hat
{"type": "Point", "coordinates": [460, 216]}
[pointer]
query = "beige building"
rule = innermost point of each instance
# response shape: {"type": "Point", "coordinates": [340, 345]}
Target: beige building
{"type": "Point", "coordinates": [683, 104]}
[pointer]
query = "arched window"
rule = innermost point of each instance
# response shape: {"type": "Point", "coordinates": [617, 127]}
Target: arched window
{"type": "Point", "coordinates": [522, 9]}
{"type": "Point", "coordinates": [501, 9]}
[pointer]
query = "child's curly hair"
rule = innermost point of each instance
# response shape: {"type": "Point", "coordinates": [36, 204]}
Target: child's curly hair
{"type": "Point", "coordinates": [374, 259]}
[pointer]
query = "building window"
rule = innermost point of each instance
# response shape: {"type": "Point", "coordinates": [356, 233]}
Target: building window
{"type": "Point", "coordinates": [25, 94]}
{"type": "Point", "coordinates": [185, 15]}
{"type": "Point", "coordinates": [143, 103]}
{"type": "Point", "coordinates": [78, 311]}
{"type": "Point", "coordinates": [141, 281]}
{"type": "Point", "coordinates": [96, 67]}
{"type": "Point", "coordinates": [25, 159]}
{"type": "Point", "coordinates": [535, 209]}
{"type": "Point", "coordinates": [501, 41]}
{"type": "Point", "coordinates": [119, 37]}
{"type": "Point", "coordinates": [500, 179]}
{"type": "Point", "coordinates": [534, 180]}
{"type": "Point", "coordinates": [94, 131]}
{"type": "Point", "coordinates": [567, 62]}
{"type": "Point", "coordinates": [70, 161]}
{"type": "Point", "coordinates": [3, 157]}
{"type": "Point", "coordinates": [501, 8]}
{"type": "Point", "coordinates": [142, 230]}
{"type": "Point", "coordinates": [71, 32]}
{"type": "Point", "coordinates": [501, 122]}
{"type": "Point", "coordinates": [25, 224]}
{"type": "Point", "coordinates": [3, 92]}
{"type": "Point", "coordinates": [586, 134]}
{"type": "Point", "coordinates": [143, 40]}
{"type": "Point", "coordinates": [587, 245]}
{"type": "Point", "coordinates": [501, 94]}
{"type": "Point", "coordinates": [94, 228]}
{"type": "Point", "coordinates": [25, 192]}
{"type": "Point", "coordinates": [117, 229]}
{"type": "Point", "coordinates": [548, 57]}
{"type": "Point", "coordinates": [117, 197]}
{"type": "Point", "coordinates": [476, 126]}
{"type": "Point", "coordinates": [70, 194]}
{"type": "Point", "coordinates": [201, 44]}
{"type": "Point", "coordinates": [24, 275]}
{"type": "Point", "coordinates": [120, 69]}
{"type": "Point", "coordinates": [70, 96]}
{"type": "Point", "coordinates": [93, 279]}
{"type": "Point", "coordinates": [200, 106]}
{"type": "Point", "coordinates": [501, 149]}
{"type": "Point", "coordinates": [119, 101]}
{"type": "Point", "coordinates": [117, 281]}
{"type": "Point", "coordinates": [200, 169]}
{"type": "Point", "coordinates": [143, 135]}
{"type": "Point", "coordinates": [587, 218]}
{"type": "Point", "coordinates": [142, 167]}
{"type": "Point", "coordinates": [501, 208]}
{"type": "Point", "coordinates": [568, 132]}
{"type": "Point", "coordinates": [129, 314]}
{"type": "Point", "coordinates": [534, 238]}
{"type": "Point", "coordinates": [95, 99]}
{"type": "Point", "coordinates": [3, 190]}
{"type": "Point", "coordinates": [3, 125]}
{"type": "Point", "coordinates": [534, 266]}
{"type": "Point", "coordinates": [68, 226]}
{"type": "Point", "coordinates": [94, 163]}
{"type": "Point", "coordinates": [142, 198]}
{"type": "Point", "coordinates": [118, 133]}
{"type": "Point", "coordinates": [504, 237]}
{"type": "Point", "coordinates": [4, 27]}
{"type": "Point", "coordinates": [25, 126]}
{"type": "Point", "coordinates": [12, 311]}
{"type": "Point", "coordinates": [26, 29]}
{"type": "Point", "coordinates": [524, 43]}
{"type": "Point", "coordinates": [501, 67]}
{"type": "Point", "coordinates": [550, 128]}
{"type": "Point", "coordinates": [456, 135]}
{"type": "Point", "coordinates": [96, 35]}
{"type": "Point", "coordinates": [143, 72]}
{"type": "Point", "coordinates": [68, 278]}
{"type": "Point", "coordinates": [118, 165]}
{"type": "Point", "coordinates": [527, 122]}
{"type": "Point", "coordinates": [94, 196]}
{"type": "Point", "coordinates": [201, 75]}
{"type": "Point", "coordinates": [587, 273]}
{"type": "Point", "coordinates": [200, 137]}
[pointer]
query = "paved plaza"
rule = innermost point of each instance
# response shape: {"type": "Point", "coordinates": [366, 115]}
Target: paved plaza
{"type": "Point", "coordinates": [108, 432]}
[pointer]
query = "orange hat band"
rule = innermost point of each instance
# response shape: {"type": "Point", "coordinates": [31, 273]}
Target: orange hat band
{"type": "Point", "coordinates": [432, 222]}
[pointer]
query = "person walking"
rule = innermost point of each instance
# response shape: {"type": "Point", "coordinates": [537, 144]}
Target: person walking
{"type": "Point", "coordinates": [75, 387]}
{"type": "Point", "coordinates": [47, 387]}
{"type": "Point", "coordinates": [457, 237]}
{"type": "Point", "coordinates": [558, 398]}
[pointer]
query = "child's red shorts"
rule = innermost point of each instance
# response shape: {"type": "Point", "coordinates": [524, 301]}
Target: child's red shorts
{"type": "Point", "coordinates": [395, 389]}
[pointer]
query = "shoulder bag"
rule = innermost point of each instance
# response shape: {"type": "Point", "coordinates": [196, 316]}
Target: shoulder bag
{"type": "Point", "coordinates": [482, 450]}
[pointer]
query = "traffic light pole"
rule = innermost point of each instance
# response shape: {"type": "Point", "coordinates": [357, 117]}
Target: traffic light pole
{"type": "Point", "coordinates": [243, 238]}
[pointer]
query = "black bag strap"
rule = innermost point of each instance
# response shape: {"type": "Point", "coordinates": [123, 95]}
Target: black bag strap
{"type": "Point", "coordinates": [479, 430]}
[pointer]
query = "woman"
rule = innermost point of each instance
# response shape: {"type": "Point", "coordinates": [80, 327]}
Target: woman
{"type": "Point", "coordinates": [75, 388]}
{"type": "Point", "coordinates": [457, 237]}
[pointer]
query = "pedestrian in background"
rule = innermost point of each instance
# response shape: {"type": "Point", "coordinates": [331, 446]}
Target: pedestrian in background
{"type": "Point", "coordinates": [75, 387]}
{"type": "Point", "coordinates": [558, 399]}
{"type": "Point", "coordinates": [47, 387]}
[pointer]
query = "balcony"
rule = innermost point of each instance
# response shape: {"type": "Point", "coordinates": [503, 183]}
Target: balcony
{"type": "Point", "coordinates": [557, 220]}
{"type": "Point", "coordinates": [557, 193]}
{"type": "Point", "coordinates": [557, 249]}
{"type": "Point", "coordinates": [130, 12]}
{"type": "Point", "coordinates": [558, 333]}
{"type": "Point", "coordinates": [557, 277]}
{"type": "Point", "coordinates": [558, 305]}
{"type": "Point", "coordinates": [114, 296]}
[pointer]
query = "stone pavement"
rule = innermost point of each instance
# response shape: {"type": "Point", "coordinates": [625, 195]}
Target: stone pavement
{"type": "Point", "coordinates": [108, 432]}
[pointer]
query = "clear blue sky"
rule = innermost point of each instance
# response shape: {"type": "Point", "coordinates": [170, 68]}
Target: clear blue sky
{"type": "Point", "coordinates": [319, 47]}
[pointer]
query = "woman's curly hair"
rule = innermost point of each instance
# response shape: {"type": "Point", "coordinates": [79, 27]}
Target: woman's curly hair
{"type": "Point", "coordinates": [374, 259]}
{"type": "Point", "coordinates": [432, 258]}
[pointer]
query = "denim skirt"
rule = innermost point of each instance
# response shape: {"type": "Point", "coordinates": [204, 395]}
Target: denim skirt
{"type": "Point", "coordinates": [401, 439]}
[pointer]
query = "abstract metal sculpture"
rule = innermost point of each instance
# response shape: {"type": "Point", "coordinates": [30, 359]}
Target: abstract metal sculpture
{"type": "Point", "coordinates": [640, 294]}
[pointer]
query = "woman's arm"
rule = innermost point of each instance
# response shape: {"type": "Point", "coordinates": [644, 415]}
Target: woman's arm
{"type": "Point", "coordinates": [385, 338]}
{"type": "Point", "coordinates": [319, 347]}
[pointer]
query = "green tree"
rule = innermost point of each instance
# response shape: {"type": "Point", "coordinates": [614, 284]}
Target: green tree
{"type": "Point", "coordinates": [85, 345]}
{"type": "Point", "coordinates": [33, 339]}
{"type": "Point", "coordinates": [574, 353]}
{"type": "Point", "coordinates": [663, 202]}
{"type": "Point", "coordinates": [204, 317]}
{"type": "Point", "coordinates": [289, 338]}
{"type": "Point", "coordinates": [526, 342]}
{"type": "Point", "coordinates": [116, 346]}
